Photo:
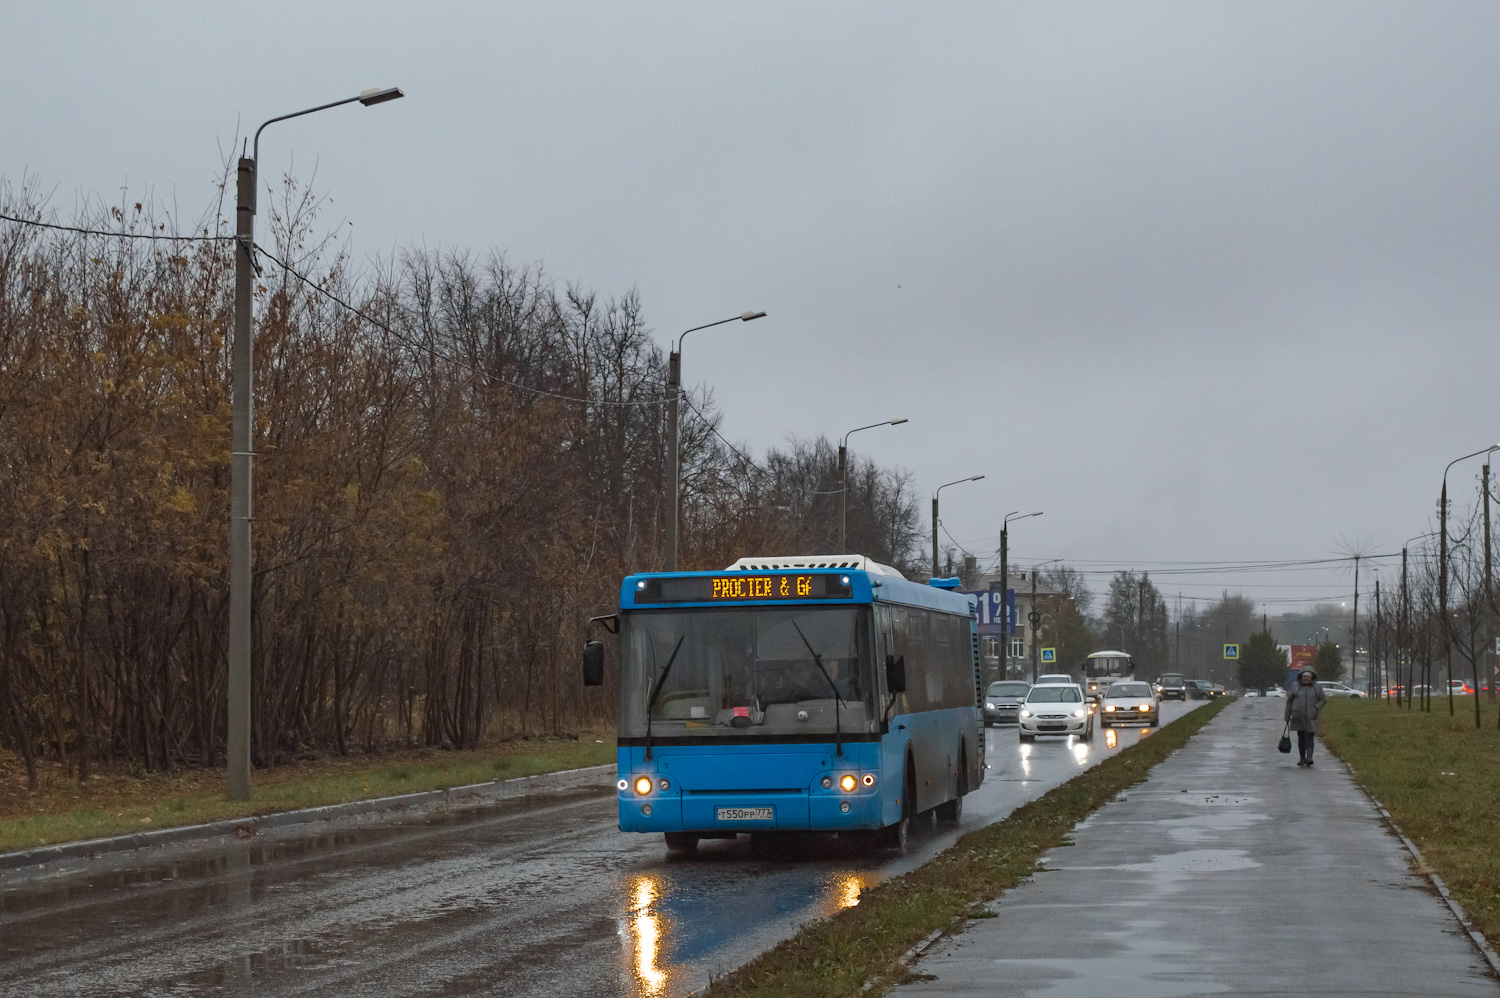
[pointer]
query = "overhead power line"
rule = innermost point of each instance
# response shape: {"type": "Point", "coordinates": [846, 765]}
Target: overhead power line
{"type": "Point", "coordinates": [424, 347]}
{"type": "Point", "coordinates": [117, 235]}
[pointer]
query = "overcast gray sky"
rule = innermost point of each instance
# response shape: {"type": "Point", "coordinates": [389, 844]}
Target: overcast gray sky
{"type": "Point", "coordinates": [1202, 281]}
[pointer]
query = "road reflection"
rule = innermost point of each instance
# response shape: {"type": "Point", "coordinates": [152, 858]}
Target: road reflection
{"type": "Point", "coordinates": [1110, 738]}
{"type": "Point", "coordinates": [849, 890]}
{"type": "Point", "coordinates": [645, 929]}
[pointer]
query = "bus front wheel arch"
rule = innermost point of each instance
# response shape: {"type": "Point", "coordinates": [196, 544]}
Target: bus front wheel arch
{"type": "Point", "coordinates": [894, 836]}
{"type": "Point", "coordinates": [951, 812]}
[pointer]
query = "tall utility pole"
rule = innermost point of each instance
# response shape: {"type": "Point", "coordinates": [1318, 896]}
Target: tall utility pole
{"type": "Point", "coordinates": [1403, 634]}
{"type": "Point", "coordinates": [940, 488]}
{"type": "Point", "coordinates": [1005, 584]}
{"type": "Point", "coordinates": [673, 478]}
{"type": "Point", "coordinates": [1354, 633]}
{"type": "Point", "coordinates": [237, 692]}
{"type": "Point", "coordinates": [1004, 605]}
{"type": "Point", "coordinates": [1035, 620]}
{"type": "Point", "coordinates": [844, 478]}
{"type": "Point", "coordinates": [241, 449]}
{"type": "Point", "coordinates": [1375, 643]}
{"type": "Point", "coordinates": [1443, 571]}
{"type": "Point", "coordinates": [1489, 580]}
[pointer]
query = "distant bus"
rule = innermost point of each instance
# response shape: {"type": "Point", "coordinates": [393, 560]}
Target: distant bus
{"type": "Point", "coordinates": [1105, 667]}
{"type": "Point", "coordinates": [823, 693]}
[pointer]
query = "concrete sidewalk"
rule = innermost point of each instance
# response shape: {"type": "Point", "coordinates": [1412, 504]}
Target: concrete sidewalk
{"type": "Point", "coordinates": [1229, 871]}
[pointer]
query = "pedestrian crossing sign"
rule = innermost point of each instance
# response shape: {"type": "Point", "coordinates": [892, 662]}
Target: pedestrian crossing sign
{"type": "Point", "coordinates": [1049, 655]}
{"type": "Point", "coordinates": [1232, 651]}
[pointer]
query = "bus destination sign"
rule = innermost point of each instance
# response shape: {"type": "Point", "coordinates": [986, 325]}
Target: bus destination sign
{"type": "Point", "coordinates": [742, 587]}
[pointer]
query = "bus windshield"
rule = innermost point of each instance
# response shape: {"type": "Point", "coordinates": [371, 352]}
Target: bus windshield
{"type": "Point", "coordinates": [1104, 665]}
{"type": "Point", "coordinates": [747, 671]}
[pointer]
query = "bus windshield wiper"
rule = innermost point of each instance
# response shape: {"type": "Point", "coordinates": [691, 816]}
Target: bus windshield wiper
{"type": "Point", "coordinates": [838, 734]}
{"type": "Point", "coordinates": [656, 691]}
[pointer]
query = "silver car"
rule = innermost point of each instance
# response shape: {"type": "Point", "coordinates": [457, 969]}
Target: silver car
{"type": "Point", "coordinates": [1129, 703]}
{"type": "Point", "coordinates": [1002, 701]}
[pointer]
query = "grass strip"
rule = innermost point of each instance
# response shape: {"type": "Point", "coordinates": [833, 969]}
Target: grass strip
{"type": "Point", "coordinates": [836, 956]}
{"type": "Point", "coordinates": [1440, 780]}
{"type": "Point", "coordinates": [68, 812]}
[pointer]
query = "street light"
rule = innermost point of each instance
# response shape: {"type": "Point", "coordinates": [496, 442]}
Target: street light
{"type": "Point", "coordinates": [241, 472]}
{"type": "Point", "coordinates": [674, 386]}
{"type": "Point", "coordinates": [844, 474]}
{"type": "Point", "coordinates": [1035, 619]}
{"type": "Point", "coordinates": [1443, 580]}
{"type": "Point", "coordinates": [1005, 585]}
{"type": "Point", "coordinates": [940, 488]}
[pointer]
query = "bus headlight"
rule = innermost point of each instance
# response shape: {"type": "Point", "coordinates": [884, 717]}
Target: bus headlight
{"type": "Point", "coordinates": [663, 785]}
{"type": "Point", "coordinates": [847, 783]}
{"type": "Point", "coordinates": [827, 783]}
{"type": "Point", "coordinates": [869, 780]}
{"type": "Point", "coordinates": [623, 784]}
{"type": "Point", "coordinates": [643, 785]}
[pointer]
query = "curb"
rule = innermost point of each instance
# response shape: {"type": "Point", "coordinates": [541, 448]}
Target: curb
{"type": "Point", "coordinates": [251, 826]}
{"type": "Point", "coordinates": [1423, 869]}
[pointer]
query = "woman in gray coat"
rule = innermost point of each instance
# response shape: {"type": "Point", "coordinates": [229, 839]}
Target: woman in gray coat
{"type": "Point", "coordinates": [1303, 704]}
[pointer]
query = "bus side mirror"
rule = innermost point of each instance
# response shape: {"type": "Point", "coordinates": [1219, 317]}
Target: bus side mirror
{"type": "Point", "coordinates": [593, 663]}
{"type": "Point", "coordinates": [895, 674]}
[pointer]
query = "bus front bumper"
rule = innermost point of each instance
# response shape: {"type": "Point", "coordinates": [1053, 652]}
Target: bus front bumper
{"type": "Point", "coordinates": [729, 812]}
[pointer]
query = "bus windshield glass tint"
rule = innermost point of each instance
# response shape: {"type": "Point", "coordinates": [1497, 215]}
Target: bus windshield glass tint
{"type": "Point", "coordinates": [747, 672]}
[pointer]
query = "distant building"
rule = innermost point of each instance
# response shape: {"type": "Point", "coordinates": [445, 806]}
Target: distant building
{"type": "Point", "coordinates": [1018, 657]}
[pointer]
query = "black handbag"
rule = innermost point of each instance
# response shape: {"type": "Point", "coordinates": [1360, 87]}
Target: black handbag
{"type": "Point", "coordinates": [1285, 745]}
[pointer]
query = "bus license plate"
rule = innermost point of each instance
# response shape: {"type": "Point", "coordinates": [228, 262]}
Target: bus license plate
{"type": "Point", "coordinates": [745, 814]}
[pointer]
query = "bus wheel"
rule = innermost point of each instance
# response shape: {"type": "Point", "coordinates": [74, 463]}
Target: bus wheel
{"type": "Point", "coordinates": [952, 812]}
{"type": "Point", "coordinates": [681, 841]}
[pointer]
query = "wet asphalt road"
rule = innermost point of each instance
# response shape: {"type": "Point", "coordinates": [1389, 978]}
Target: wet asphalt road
{"type": "Point", "coordinates": [535, 896]}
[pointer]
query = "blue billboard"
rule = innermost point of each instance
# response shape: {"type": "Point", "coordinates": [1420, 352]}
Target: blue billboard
{"type": "Point", "coordinates": [988, 605]}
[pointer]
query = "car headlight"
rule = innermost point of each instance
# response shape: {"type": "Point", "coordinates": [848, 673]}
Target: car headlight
{"type": "Point", "coordinates": [1109, 708]}
{"type": "Point", "coordinates": [1025, 713]}
{"type": "Point", "coordinates": [1146, 707]}
{"type": "Point", "coordinates": [1079, 712]}
{"type": "Point", "coordinates": [643, 785]}
{"type": "Point", "coordinates": [989, 706]}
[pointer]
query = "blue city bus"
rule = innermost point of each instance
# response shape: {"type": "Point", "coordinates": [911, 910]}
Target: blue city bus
{"type": "Point", "coordinates": [825, 694]}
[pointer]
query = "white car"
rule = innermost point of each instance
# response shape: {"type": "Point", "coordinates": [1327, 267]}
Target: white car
{"type": "Point", "coordinates": [1333, 689]}
{"type": "Point", "coordinates": [1056, 709]}
{"type": "Point", "coordinates": [1129, 703]}
{"type": "Point", "coordinates": [1275, 691]}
